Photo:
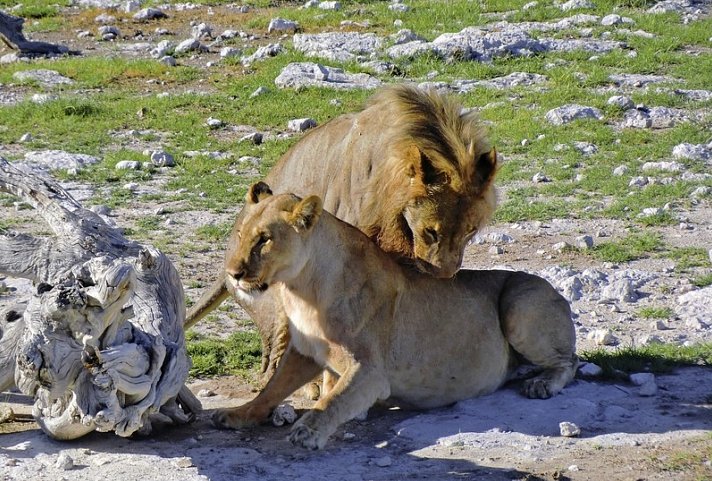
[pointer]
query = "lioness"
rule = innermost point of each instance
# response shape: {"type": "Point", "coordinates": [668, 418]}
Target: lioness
{"type": "Point", "coordinates": [412, 170]}
{"type": "Point", "coordinates": [385, 330]}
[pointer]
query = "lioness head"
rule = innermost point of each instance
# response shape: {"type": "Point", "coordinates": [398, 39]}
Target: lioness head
{"type": "Point", "coordinates": [271, 238]}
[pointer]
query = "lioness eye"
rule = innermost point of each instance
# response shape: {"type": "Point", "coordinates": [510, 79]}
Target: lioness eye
{"type": "Point", "coordinates": [264, 238]}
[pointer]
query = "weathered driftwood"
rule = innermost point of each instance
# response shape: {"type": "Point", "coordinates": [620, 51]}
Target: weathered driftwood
{"type": "Point", "coordinates": [102, 344]}
{"type": "Point", "coordinates": [11, 34]}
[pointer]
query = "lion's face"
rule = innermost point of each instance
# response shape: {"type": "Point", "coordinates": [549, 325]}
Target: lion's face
{"type": "Point", "coordinates": [269, 240]}
{"type": "Point", "coordinates": [441, 225]}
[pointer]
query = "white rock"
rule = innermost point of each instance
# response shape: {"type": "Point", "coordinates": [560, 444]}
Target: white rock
{"type": "Point", "coordinates": [131, 6]}
{"type": "Point", "coordinates": [300, 125]}
{"type": "Point", "coordinates": [104, 19]}
{"type": "Point", "coordinates": [284, 414]}
{"type": "Point", "coordinates": [611, 19]}
{"type": "Point", "coordinates": [586, 148]}
{"type": "Point", "coordinates": [568, 429]}
{"type": "Point", "coordinates": [168, 60]}
{"type": "Point", "coordinates": [692, 151]}
{"type": "Point", "coordinates": [529, 5]}
{"type": "Point", "coordinates": [259, 91]}
{"type": "Point", "coordinates": [602, 337]}
{"type": "Point", "coordinates": [349, 436]}
{"type": "Point", "coordinates": [590, 369]}
{"type": "Point", "coordinates": [621, 101]}
{"type": "Point", "coordinates": [561, 246]}
{"type": "Point", "coordinates": [638, 182]}
{"type": "Point", "coordinates": [229, 52]}
{"type": "Point", "coordinates": [214, 123]}
{"type": "Point", "coordinates": [383, 462]}
{"type": "Point", "coordinates": [652, 211]}
{"type": "Point", "coordinates": [665, 166]}
{"type": "Point", "coordinates": [149, 14]}
{"type": "Point", "coordinates": [160, 158]}
{"type": "Point", "coordinates": [189, 45]}
{"type": "Point", "coordinates": [568, 113]}
{"type": "Point", "coordinates": [584, 242]}
{"type": "Point", "coordinates": [45, 78]}
{"type": "Point", "coordinates": [26, 137]}
{"type": "Point", "coordinates": [648, 389]}
{"type": "Point", "coordinates": [335, 6]}
{"type": "Point", "coordinates": [128, 165]}
{"type": "Point", "coordinates": [574, 4]}
{"type": "Point", "coordinates": [58, 159]}
{"type": "Point", "coordinates": [496, 250]}
{"type": "Point", "coordinates": [641, 378]}
{"type": "Point", "coordinates": [64, 462]}
{"type": "Point", "coordinates": [281, 25]}
{"type": "Point", "coordinates": [398, 7]}
{"type": "Point", "coordinates": [620, 170]}
{"type": "Point", "coordinates": [206, 393]}
{"type": "Point", "coordinates": [301, 74]}
{"type": "Point", "coordinates": [539, 177]}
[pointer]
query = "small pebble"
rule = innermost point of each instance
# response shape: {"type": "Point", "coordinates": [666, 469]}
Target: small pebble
{"type": "Point", "coordinates": [64, 461]}
{"type": "Point", "coordinates": [569, 430]}
{"type": "Point", "coordinates": [206, 393]}
{"type": "Point", "coordinates": [384, 462]}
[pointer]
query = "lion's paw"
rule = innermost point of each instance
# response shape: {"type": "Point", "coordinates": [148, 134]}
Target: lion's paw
{"type": "Point", "coordinates": [306, 437]}
{"type": "Point", "coordinates": [537, 388]}
{"type": "Point", "coordinates": [233, 418]}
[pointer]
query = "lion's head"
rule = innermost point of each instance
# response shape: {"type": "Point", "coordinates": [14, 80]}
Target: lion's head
{"type": "Point", "coordinates": [271, 239]}
{"type": "Point", "coordinates": [436, 189]}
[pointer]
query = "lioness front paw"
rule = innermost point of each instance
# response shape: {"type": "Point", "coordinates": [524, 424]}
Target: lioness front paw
{"type": "Point", "coordinates": [537, 388]}
{"type": "Point", "coordinates": [307, 436]}
{"type": "Point", "coordinates": [236, 418]}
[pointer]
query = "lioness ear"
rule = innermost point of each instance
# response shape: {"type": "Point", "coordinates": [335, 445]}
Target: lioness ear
{"type": "Point", "coordinates": [420, 167]}
{"type": "Point", "coordinates": [258, 191]}
{"type": "Point", "coordinates": [486, 167]}
{"type": "Point", "coordinates": [306, 213]}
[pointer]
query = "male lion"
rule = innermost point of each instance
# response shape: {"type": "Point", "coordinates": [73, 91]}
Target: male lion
{"type": "Point", "coordinates": [386, 331]}
{"type": "Point", "coordinates": [412, 171]}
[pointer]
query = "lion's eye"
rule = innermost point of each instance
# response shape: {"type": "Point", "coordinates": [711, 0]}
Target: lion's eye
{"type": "Point", "coordinates": [263, 239]}
{"type": "Point", "coordinates": [430, 235]}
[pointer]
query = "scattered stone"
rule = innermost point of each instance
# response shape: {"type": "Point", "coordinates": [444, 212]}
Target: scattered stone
{"type": "Point", "coordinates": [612, 19]}
{"type": "Point", "coordinates": [214, 123]}
{"type": "Point", "coordinates": [302, 74]}
{"type": "Point", "coordinates": [64, 461]}
{"type": "Point", "coordinates": [149, 14]}
{"type": "Point", "coordinates": [620, 170]}
{"type": "Point", "coordinates": [399, 7]}
{"type": "Point", "coordinates": [108, 32]}
{"type": "Point", "coordinates": [190, 45]}
{"type": "Point", "coordinates": [349, 436]}
{"type": "Point", "coordinates": [652, 211]}
{"type": "Point", "coordinates": [262, 53]}
{"type": "Point", "coordinates": [385, 461]}
{"type": "Point", "coordinates": [602, 337]}
{"type": "Point", "coordinates": [590, 369]}
{"type": "Point", "coordinates": [569, 430]}
{"type": "Point", "coordinates": [128, 165]}
{"type": "Point", "coordinates": [571, 288]}
{"type": "Point", "coordinates": [284, 414]}
{"type": "Point", "coordinates": [104, 19]}
{"type": "Point", "coordinates": [693, 151]}
{"type": "Point", "coordinates": [12, 462]}
{"type": "Point", "coordinates": [260, 91]}
{"type": "Point", "coordinates": [648, 389]}
{"type": "Point", "coordinates": [168, 60]}
{"type": "Point", "coordinates": [659, 325]}
{"type": "Point", "coordinates": [584, 242]}
{"type": "Point", "coordinates": [701, 191]}
{"type": "Point", "coordinates": [43, 98]}
{"type": "Point", "coordinates": [7, 415]}
{"type": "Point", "coordinates": [164, 47]}
{"type": "Point", "coordinates": [45, 78]}
{"type": "Point", "coordinates": [642, 378]}
{"type": "Point", "coordinates": [131, 186]}
{"type": "Point", "coordinates": [184, 462]}
{"type": "Point", "coordinates": [561, 246]}
{"type": "Point", "coordinates": [206, 393]}
{"type": "Point", "coordinates": [131, 6]}
{"type": "Point", "coordinates": [637, 119]}
{"type": "Point", "coordinates": [58, 159]}
{"type": "Point", "coordinates": [585, 148]}
{"type": "Point", "coordinates": [201, 31]}
{"type": "Point", "coordinates": [229, 52]}
{"type": "Point", "coordinates": [577, 4]}
{"type": "Point", "coordinates": [638, 182]}
{"type": "Point", "coordinates": [334, 6]}
{"type": "Point", "coordinates": [568, 113]}
{"type": "Point", "coordinates": [280, 25]}
{"type": "Point", "coordinates": [26, 137]}
{"type": "Point", "coordinates": [253, 138]}
{"type": "Point", "coordinates": [539, 177]}
{"type": "Point", "coordinates": [337, 46]}
{"type": "Point", "coordinates": [405, 36]}
{"type": "Point", "coordinates": [664, 166]}
{"type": "Point", "coordinates": [530, 5]}
{"type": "Point", "coordinates": [620, 290]}
{"type": "Point", "coordinates": [160, 158]}
{"type": "Point", "coordinates": [496, 250]}
{"type": "Point", "coordinates": [621, 101]}
{"type": "Point", "coordinates": [301, 125]}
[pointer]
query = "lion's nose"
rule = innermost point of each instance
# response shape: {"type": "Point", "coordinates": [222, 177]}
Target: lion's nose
{"type": "Point", "coordinates": [237, 274]}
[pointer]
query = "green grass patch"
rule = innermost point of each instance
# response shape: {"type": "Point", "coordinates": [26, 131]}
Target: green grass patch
{"type": "Point", "coordinates": [650, 312]}
{"type": "Point", "coordinates": [633, 247]}
{"type": "Point", "coordinates": [655, 358]}
{"type": "Point", "coordinates": [703, 280]}
{"type": "Point", "coordinates": [214, 232]}
{"type": "Point", "coordinates": [239, 354]}
{"type": "Point", "coordinates": [689, 257]}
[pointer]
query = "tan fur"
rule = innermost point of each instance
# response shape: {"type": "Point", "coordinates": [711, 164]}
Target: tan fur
{"type": "Point", "coordinates": [409, 170]}
{"type": "Point", "coordinates": [385, 330]}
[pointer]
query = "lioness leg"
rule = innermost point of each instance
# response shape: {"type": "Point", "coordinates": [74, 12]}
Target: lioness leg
{"type": "Point", "coordinates": [355, 391]}
{"type": "Point", "coordinates": [293, 372]}
{"type": "Point", "coordinates": [536, 321]}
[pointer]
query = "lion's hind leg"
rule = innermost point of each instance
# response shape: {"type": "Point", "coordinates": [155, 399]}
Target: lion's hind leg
{"type": "Point", "coordinates": [536, 320]}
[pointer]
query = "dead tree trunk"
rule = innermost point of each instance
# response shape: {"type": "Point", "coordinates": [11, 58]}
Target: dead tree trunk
{"type": "Point", "coordinates": [11, 34]}
{"type": "Point", "coordinates": [102, 344]}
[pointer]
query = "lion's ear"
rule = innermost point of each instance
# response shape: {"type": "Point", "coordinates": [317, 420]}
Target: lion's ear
{"type": "Point", "coordinates": [486, 166]}
{"type": "Point", "coordinates": [258, 191]}
{"type": "Point", "coordinates": [306, 213]}
{"type": "Point", "coordinates": [421, 167]}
